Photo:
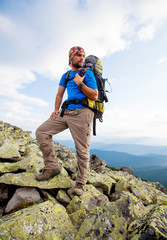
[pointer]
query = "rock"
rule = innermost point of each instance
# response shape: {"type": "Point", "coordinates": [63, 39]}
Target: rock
{"type": "Point", "coordinates": [161, 198]}
{"type": "Point", "coordinates": [96, 163]}
{"type": "Point", "coordinates": [13, 141]}
{"type": "Point", "coordinates": [23, 197]}
{"type": "Point", "coordinates": [101, 181]}
{"type": "Point", "coordinates": [47, 196]}
{"type": "Point", "coordinates": [63, 198]}
{"type": "Point", "coordinates": [78, 217]}
{"type": "Point", "coordinates": [159, 187]}
{"type": "Point", "coordinates": [10, 150]}
{"type": "Point", "coordinates": [69, 160]}
{"type": "Point", "coordinates": [3, 192]}
{"type": "Point", "coordinates": [139, 188]}
{"type": "Point", "coordinates": [130, 206]}
{"type": "Point", "coordinates": [4, 195]}
{"type": "Point", "coordinates": [41, 221]}
{"type": "Point", "coordinates": [126, 169]}
{"type": "Point", "coordinates": [153, 225]}
{"type": "Point", "coordinates": [103, 223]}
{"type": "Point", "coordinates": [90, 198]}
{"type": "Point", "coordinates": [28, 180]}
{"type": "Point", "coordinates": [6, 167]}
{"type": "Point", "coordinates": [14, 133]}
{"type": "Point", "coordinates": [32, 161]}
{"type": "Point", "coordinates": [115, 204]}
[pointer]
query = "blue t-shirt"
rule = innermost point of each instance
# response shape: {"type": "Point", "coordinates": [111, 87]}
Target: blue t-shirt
{"type": "Point", "coordinates": [73, 91]}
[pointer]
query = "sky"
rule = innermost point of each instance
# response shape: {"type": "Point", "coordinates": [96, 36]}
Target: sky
{"type": "Point", "coordinates": [130, 38]}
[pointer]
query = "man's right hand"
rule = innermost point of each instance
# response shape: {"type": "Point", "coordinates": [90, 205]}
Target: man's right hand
{"type": "Point", "coordinates": [54, 114]}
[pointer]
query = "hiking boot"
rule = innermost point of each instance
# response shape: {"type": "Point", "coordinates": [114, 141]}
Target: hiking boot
{"type": "Point", "coordinates": [47, 173]}
{"type": "Point", "coordinates": [78, 189]}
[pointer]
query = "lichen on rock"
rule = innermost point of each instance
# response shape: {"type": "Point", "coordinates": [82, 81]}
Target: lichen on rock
{"type": "Point", "coordinates": [28, 179]}
{"type": "Point", "coordinates": [42, 221]}
{"type": "Point", "coordinates": [153, 225]}
{"type": "Point", "coordinates": [115, 205]}
{"type": "Point", "coordinates": [103, 222]}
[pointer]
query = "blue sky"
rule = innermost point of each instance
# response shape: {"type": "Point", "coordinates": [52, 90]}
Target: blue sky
{"type": "Point", "coordinates": [130, 37]}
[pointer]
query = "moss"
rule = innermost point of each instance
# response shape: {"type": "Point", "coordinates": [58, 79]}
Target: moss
{"type": "Point", "coordinates": [63, 197]}
{"type": "Point", "coordinates": [87, 201]}
{"type": "Point", "coordinates": [101, 181]}
{"type": "Point", "coordinates": [23, 205]}
{"type": "Point", "coordinates": [10, 150]}
{"type": "Point", "coordinates": [113, 168]}
{"type": "Point", "coordinates": [103, 223]}
{"type": "Point", "coordinates": [28, 179]}
{"type": "Point", "coordinates": [42, 221]}
{"type": "Point", "coordinates": [140, 189]}
{"type": "Point", "coordinates": [78, 217]}
{"type": "Point", "coordinates": [153, 224]}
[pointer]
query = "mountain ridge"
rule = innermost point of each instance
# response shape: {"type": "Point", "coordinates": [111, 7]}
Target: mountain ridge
{"type": "Point", "coordinates": [135, 149]}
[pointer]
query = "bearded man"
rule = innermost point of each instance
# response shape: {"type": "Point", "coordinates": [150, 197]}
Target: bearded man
{"type": "Point", "coordinates": [77, 117]}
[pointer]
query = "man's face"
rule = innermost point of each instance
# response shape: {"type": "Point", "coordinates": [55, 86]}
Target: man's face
{"type": "Point", "coordinates": [78, 60]}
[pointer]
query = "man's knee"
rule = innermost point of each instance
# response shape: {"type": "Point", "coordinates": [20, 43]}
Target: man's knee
{"type": "Point", "coordinates": [41, 135]}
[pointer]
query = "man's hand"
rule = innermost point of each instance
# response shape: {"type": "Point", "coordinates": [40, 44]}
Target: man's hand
{"type": "Point", "coordinates": [78, 79]}
{"type": "Point", "coordinates": [54, 114]}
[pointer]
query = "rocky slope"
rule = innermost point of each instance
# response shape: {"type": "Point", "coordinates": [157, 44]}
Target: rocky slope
{"type": "Point", "coordinates": [115, 204]}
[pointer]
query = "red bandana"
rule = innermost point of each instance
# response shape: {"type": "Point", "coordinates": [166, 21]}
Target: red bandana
{"type": "Point", "coordinates": [73, 51]}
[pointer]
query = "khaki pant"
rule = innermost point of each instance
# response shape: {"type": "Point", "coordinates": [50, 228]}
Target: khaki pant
{"type": "Point", "coordinates": [79, 123]}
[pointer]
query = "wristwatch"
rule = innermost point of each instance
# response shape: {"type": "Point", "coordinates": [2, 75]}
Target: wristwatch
{"type": "Point", "coordinates": [80, 85]}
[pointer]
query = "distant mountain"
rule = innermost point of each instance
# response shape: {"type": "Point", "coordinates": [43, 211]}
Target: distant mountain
{"type": "Point", "coordinates": [149, 167]}
{"type": "Point", "coordinates": [147, 162]}
{"type": "Point", "coordinates": [131, 148]}
{"type": "Point", "coordinates": [134, 149]}
{"type": "Point", "coordinates": [153, 175]}
{"type": "Point", "coordinates": [116, 159]}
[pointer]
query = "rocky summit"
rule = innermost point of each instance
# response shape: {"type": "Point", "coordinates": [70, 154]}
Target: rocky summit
{"type": "Point", "coordinates": [115, 205]}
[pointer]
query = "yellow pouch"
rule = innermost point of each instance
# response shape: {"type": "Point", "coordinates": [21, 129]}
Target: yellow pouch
{"type": "Point", "coordinates": [100, 106]}
{"type": "Point", "coordinates": [91, 103]}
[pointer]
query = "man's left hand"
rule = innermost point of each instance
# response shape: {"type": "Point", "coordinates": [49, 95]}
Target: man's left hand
{"type": "Point", "coordinates": [54, 114]}
{"type": "Point", "coordinates": [78, 79]}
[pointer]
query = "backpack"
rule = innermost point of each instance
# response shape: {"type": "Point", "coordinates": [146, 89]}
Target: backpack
{"type": "Point", "coordinates": [94, 64]}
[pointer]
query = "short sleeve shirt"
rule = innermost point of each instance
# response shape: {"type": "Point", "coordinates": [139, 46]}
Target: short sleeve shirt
{"type": "Point", "coordinates": [73, 91]}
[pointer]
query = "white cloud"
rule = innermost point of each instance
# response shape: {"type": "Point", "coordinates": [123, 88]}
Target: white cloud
{"type": "Point", "coordinates": [39, 36]}
{"type": "Point", "coordinates": [146, 33]}
{"type": "Point", "coordinates": [27, 124]}
{"type": "Point", "coordinates": [5, 25]}
{"type": "Point", "coordinates": [151, 11]}
{"type": "Point", "coordinates": [162, 60]}
{"type": "Point", "coordinates": [150, 16]}
{"type": "Point", "coordinates": [124, 122]}
{"type": "Point", "coordinates": [15, 107]}
{"type": "Point", "coordinates": [14, 78]}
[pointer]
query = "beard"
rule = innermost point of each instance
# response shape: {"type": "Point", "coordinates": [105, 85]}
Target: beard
{"type": "Point", "coordinates": [78, 64]}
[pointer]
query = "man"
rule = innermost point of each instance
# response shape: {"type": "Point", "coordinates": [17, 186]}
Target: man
{"type": "Point", "coordinates": [76, 117]}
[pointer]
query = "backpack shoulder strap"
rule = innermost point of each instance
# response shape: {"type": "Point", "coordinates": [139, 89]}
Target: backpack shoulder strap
{"type": "Point", "coordinates": [67, 77]}
{"type": "Point", "coordinates": [82, 72]}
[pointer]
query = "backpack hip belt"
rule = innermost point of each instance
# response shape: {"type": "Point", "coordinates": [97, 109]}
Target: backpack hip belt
{"type": "Point", "coordinates": [66, 103]}
{"type": "Point", "coordinates": [97, 107]}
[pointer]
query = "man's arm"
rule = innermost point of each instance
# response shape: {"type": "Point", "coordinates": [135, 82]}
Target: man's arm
{"type": "Point", "coordinates": [89, 92]}
{"type": "Point", "coordinates": [59, 97]}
